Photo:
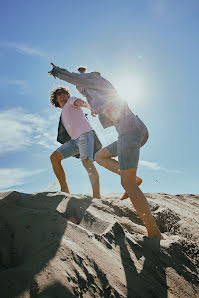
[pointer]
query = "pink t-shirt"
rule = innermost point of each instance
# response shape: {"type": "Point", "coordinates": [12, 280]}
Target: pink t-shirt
{"type": "Point", "coordinates": [74, 120]}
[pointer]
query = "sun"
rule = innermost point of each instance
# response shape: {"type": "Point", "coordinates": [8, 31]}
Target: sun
{"type": "Point", "coordinates": [132, 89]}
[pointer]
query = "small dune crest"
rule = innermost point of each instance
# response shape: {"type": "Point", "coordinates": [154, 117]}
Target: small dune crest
{"type": "Point", "coordinates": [60, 245]}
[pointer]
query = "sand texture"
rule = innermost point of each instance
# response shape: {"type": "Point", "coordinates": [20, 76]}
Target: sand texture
{"type": "Point", "coordinates": [59, 245]}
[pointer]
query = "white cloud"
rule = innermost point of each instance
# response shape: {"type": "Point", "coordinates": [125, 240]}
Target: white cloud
{"type": "Point", "coordinates": [20, 129]}
{"type": "Point", "coordinates": [23, 48]}
{"type": "Point", "coordinates": [16, 176]}
{"type": "Point", "coordinates": [154, 166]}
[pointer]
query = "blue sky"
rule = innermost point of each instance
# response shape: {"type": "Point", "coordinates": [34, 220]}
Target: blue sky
{"type": "Point", "coordinates": [149, 51]}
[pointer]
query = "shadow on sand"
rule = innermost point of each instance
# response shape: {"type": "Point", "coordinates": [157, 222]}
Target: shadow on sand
{"type": "Point", "coordinates": [31, 230]}
{"type": "Point", "coordinates": [151, 281]}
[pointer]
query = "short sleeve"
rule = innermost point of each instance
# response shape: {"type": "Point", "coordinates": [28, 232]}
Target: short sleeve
{"type": "Point", "coordinates": [72, 101]}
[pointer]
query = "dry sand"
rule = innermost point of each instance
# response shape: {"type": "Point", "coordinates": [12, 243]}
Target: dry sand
{"type": "Point", "coordinates": [58, 245]}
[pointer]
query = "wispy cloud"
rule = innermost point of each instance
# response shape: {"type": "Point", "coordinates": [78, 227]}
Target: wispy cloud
{"type": "Point", "coordinates": [52, 186]}
{"type": "Point", "coordinates": [14, 177]}
{"type": "Point", "coordinates": [154, 166]}
{"type": "Point", "coordinates": [20, 129]}
{"type": "Point", "coordinates": [23, 86]}
{"type": "Point", "coordinates": [24, 129]}
{"type": "Point", "coordinates": [23, 48]}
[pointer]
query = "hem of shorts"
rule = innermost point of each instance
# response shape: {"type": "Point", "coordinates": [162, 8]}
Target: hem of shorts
{"type": "Point", "coordinates": [61, 154]}
{"type": "Point", "coordinates": [129, 168]}
{"type": "Point", "coordinates": [84, 158]}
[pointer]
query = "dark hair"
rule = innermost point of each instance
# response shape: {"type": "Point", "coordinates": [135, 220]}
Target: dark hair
{"type": "Point", "coordinates": [82, 69]}
{"type": "Point", "coordinates": [53, 95]}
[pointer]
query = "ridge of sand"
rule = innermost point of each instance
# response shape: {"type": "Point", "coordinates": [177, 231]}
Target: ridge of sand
{"type": "Point", "coordinates": [60, 245]}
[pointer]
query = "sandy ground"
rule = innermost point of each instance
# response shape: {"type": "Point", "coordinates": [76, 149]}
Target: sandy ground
{"type": "Point", "coordinates": [58, 245]}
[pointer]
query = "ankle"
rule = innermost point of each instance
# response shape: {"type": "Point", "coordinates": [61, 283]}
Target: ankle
{"type": "Point", "coordinates": [96, 195]}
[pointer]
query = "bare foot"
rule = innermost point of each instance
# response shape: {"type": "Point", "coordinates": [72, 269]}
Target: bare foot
{"type": "Point", "coordinates": [125, 195]}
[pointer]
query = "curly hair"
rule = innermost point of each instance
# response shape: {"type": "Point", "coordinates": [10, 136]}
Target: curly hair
{"type": "Point", "coordinates": [53, 95]}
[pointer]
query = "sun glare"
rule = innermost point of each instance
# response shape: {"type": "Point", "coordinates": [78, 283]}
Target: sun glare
{"type": "Point", "coordinates": [133, 90]}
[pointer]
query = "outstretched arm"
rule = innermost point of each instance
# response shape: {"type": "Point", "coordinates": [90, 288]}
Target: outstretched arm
{"type": "Point", "coordinates": [82, 103]}
{"type": "Point", "coordinates": [85, 80]}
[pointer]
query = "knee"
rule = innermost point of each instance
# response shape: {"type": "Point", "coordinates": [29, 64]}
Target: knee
{"type": "Point", "coordinates": [126, 183]}
{"type": "Point", "coordinates": [87, 163]}
{"type": "Point", "coordinates": [55, 157]}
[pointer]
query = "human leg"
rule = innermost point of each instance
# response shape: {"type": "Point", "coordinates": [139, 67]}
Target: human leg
{"type": "Point", "coordinates": [93, 176]}
{"type": "Point", "coordinates": [139, 201]}
{"type": "Point", "coordinates": [128, 156]}
{"type": "Point", "coordinates": [105, 158]}
{"type": "Point", "coordinates": [68, 149]}
{"type": "Point", "coordinates": [85, 144]}
{"type": "Point", "coordinates": [56, 159]}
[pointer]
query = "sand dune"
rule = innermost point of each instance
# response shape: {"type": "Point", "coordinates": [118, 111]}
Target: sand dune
{"type": "Point", "coordinates": [58, 245]}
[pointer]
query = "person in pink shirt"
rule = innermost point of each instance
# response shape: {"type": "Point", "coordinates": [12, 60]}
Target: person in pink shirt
{"type": "Point", "coordinates": [81, 138]}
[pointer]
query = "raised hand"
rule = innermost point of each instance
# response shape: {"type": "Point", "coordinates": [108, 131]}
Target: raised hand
{"type": "Point", "coordinates": [93, 113]}
{"type": "Point", "coordinates": [50, 72]}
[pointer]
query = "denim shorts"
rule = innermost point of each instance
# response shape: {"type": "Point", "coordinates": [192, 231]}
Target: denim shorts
{"type": "Point", "coordinates": [127, 148]}
{"type": "Point", "coordinates": [83, 145]}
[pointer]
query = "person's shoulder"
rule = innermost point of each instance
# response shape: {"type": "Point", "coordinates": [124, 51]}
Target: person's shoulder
{"type": "Point", "coordinates": [91, 74]}
{"type": "Point", "coordinates": [94, 74]}
{"type": "Point", "coordinates": [71, 101]}
{"type": "Point", "coordinates": [72, 98]}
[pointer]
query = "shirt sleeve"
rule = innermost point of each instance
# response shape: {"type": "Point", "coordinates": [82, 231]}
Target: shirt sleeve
{"type": "Point", "coordinates": [91, 80]}
{"type": "Point", "coordinates": [72, 101]}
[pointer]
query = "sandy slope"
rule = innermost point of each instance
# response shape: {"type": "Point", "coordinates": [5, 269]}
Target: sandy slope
{"type": "Point", "coordinates": [53, 245]}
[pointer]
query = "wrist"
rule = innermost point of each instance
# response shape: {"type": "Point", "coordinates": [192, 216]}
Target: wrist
{"type": "Point", "coordinates": [54, 71]}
